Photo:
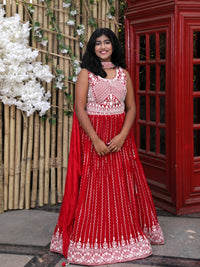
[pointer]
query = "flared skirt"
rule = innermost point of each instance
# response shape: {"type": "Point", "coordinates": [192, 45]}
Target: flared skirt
{"type": "Point", "coordinates": [115, 218]}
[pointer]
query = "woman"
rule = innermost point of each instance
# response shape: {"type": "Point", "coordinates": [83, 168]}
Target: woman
{"type": "Point", "coordinates": [110, 216]}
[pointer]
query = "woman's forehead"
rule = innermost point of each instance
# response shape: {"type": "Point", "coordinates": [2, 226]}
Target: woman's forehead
{"type": "Point", "coordinates": [102, 38]}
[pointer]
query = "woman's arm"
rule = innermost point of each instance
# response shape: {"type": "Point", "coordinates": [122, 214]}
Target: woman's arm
{"type": "Point", "coordinates": [81, 90]}
{"type": "Point", "coordinates": [117, 142]}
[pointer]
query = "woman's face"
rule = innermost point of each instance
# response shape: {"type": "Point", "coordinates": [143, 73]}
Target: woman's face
{"type": "Point", "coordinates": [103, 48]}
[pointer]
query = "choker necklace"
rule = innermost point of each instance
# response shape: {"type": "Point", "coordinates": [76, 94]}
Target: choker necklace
{"type": "Point", "coordinates": [107, 65]}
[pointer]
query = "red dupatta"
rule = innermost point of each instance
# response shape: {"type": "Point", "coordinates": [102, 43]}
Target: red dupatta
{"type": "Point", "coordinates": [67, 212]}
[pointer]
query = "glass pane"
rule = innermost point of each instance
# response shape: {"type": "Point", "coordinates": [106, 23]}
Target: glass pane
{"type": "Point", "coordinates": [143, 137]}
{"type": "Point", "coordinates": [162, 78]}
{"type": "Point", "coordinates": [152, 108]}
{"type": "Point", "coordinates": [162, 45]}
{"type": "Point", "coordinates": [142, 78]}
{"type": "Point", "coordinates": [196, 44]}
{"type": "Point", "coordinates": [142, 107]}
{"type": "Point", "coordinates": [196, 109]}
{"type": "Point", "coordinates": [196, 77]}
{"type": "Point", "coordinates": [142, 47]}
{"type": "Point", "coordinates": [162, 142]}
{"type": "Point", "coordinates": [153, 78]}
{"type": "Point", "coordinates": [153, 139]}
{"type": "Point", "coordinates": [196, 143]}
{"type": "Point", "coordinates": [162, 109]}
{"type": "Point", "coordinates": [152, 45]}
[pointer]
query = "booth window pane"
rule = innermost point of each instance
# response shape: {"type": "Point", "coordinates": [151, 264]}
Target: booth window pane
{"type": "Point", "coordinates": [162, 141]}
{"type": "Point", "coordinates": [152, 108]}
{"type": "Point", "coordinates": [162, 78]}
{"type": "Point", "coordinates": [142, 47]}
{"type": "Point", "coordinates": [162, 109]}
{"type": "Point", "coordinates": [196, 44]}
{"type": "Point", "coordinates": [162, 45]}
{"type": "Point", "coordinates": [143, 107]}
{"type": "Point", "coordinates": [152, 139]}
{"type": "Point", "coordinates": [196, 109]}
{"type": "Point", "coordinates": [153, 78]}
{"type": "Point", "coordinates": [152, 45]}
{"type": "Point", "coordinates": [196, 77]}
{"type": "Point", "coordinates": [142, 78]}
{"type": "Point", "coordinates": [196, 143]}
{"type": "Point", "coordinates": [143, 137]}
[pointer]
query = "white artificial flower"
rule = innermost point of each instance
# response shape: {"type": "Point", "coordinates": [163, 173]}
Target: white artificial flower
{"type": "Point", "coordinates": [60, 77]}
{"type": "Point", "coordinates": [74, 79]}
{"type": "Point", "coordinates": [109, 16]}
{"type": "Point", "coordinates": [20, 73]}
{"type": "Point", "coordinates": [73, 12]}
{"type": "Point", "coordinates": [64, 51]}
{"type": "Point", "coordinates": [59, 85]}
{"type": "Point", "coordinates": [81, 45]}
{"type": "Point", "coordinates": [66, 5]}
{"type": "Point", "coordinates": [44, 42]}
{"type": "Point", "coordinates": [77, 70]}
{"type": "Point", "coordinates": [75, 63]}
{"type": "Point", "coordinates": [70, 22]}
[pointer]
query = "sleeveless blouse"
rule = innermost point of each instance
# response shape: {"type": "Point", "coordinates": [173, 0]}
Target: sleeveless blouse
{"type": "Point", "coordinates": [106, 96]}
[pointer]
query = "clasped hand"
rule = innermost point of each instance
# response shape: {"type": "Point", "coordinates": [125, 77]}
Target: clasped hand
{"type": "Point", "coordinates": [114, 145]}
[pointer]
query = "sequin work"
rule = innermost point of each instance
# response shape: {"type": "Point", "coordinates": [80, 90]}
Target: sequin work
{"type": "Point", "coordinates": [115, 218]}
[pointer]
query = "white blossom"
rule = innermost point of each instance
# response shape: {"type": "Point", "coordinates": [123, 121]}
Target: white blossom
{"type": "Point", "coordinates": [66, 5]}
{"type": "Point", "coordinates": [74, 79]}
{"type": "Point", "coordinates": [64, 51]}
{"type": "Point", "coordinates": [77, 70]}
{"type": "Point", "coordinates": [71, 22]}
{"type": "Point", "coordinates": [73, 12]}
{"type": "Point", "coordinates": [44, 42]}
{"type": "Point", "coordinates": [81, 45]}
{"type": "Point", "coordinates": [109, 16]}
{"type": "Point", "coordinates": [59, 85]}
{"type": "Point", "coordinates": [20, 73]}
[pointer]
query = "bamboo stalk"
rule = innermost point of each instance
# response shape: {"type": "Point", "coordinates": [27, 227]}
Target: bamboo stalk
{"type": "Point", "coordinates": [103, 14]}
{"type": "Point", "coordinates": [1, 160]}
{"type": "Point", "coordinates": [53, 134]}
{"type": "Point", "coordinates": [35, 161]}
{"type": "Point", "coordinates": [47, 128]}
{"type": "Point", "coordinates": [29, 163]}
{"type": "Point", "coordinates": [36, 140]}
{"type": "Point", "coordinates": [41, 166]}
{"type": "Point", "coordinates": [6, 154]}
{"type": "Point", "coordinates": [65, 119]}
{"type": "Point", "coordinates": [41, 14]}
{"type": "Point", "coordinates": [60, 123]}
{"type": "Point", "coordinates": [17, 158]}
{"type": "Point", "coordinates": [23, 163]}
{"type": "Point", "coordinates": [12, 158]}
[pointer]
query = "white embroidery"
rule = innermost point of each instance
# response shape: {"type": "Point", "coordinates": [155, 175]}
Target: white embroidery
{"type": "Point", "coordinates": [109, 253]}
{"type": "Point", "coordinates": [57, 242]}
{"type": "Point", "coordinates": [106, 96]}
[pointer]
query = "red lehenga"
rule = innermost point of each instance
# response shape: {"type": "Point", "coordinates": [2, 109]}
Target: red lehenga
{"type": "Point", "coordinates": [107, 214]}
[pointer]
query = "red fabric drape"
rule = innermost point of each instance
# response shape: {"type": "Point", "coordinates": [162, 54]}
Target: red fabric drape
{"type": "Point", "coordinates": [67, 212]}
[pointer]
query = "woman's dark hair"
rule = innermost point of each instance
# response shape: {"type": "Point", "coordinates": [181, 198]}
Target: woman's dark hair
{"type": "Point", "coordinates": [92, 62]}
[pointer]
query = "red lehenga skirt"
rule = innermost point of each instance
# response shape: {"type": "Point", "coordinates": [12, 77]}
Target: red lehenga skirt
{"type": "Point", "coordinates": [107, 214]}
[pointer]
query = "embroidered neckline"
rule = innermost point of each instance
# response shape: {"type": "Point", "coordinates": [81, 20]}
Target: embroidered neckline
{"type": "Point", "coordinates": [107, 65]}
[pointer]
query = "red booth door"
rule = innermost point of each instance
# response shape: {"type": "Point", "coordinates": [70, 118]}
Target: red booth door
{"type": "Point", "coordinates": [152, 49]}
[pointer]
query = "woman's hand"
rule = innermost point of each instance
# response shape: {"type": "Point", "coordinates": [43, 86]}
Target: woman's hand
{"type": "Point", "coordinates": [100, 147]}
{"type": "Point", "coordinates": [116, 143]}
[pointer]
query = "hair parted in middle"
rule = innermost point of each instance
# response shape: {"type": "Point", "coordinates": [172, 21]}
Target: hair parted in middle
{"type": "Point", "coordinates": [92, 62]}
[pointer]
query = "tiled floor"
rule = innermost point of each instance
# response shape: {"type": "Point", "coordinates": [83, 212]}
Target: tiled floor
{"type": "Point", "coordinates": [25, 236]}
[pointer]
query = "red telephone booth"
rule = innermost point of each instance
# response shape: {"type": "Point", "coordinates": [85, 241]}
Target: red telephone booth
{"type": "Point", "coordinates": [163, 57]}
